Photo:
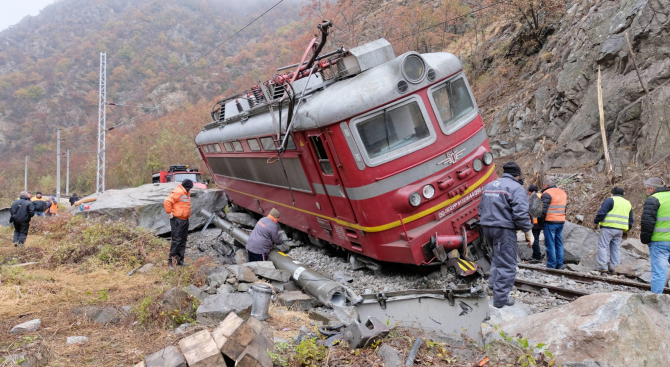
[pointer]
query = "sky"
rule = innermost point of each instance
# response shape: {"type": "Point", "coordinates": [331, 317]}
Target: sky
{"type": "Point", "coordinates": [13, 11]}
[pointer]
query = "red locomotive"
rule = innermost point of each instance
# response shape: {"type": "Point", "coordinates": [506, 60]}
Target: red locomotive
{"type": "Point", "coordinates": [381, 155]}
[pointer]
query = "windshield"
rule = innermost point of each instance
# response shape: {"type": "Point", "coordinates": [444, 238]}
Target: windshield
{"type": "Point", "coordinates": [195, 177]}
{"type": "Point", "coordinates": [392, 129]}
{"type": "Point", "coordinates": [453, 101]}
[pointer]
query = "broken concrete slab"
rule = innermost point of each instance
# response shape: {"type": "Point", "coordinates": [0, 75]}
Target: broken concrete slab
{"type": "Point", "coordinates": [27, 327]}
{"type": "Point", "coordinates": [195, 292]}
{"type": "Point", "coordinates": [389, 355]}
{"type": "Point", "coordinates": [200, 350]}
{"type": "Point", "coordinates": [273, 274]}
{"type": "Point", "coordinates": [296, 301]}
{"type": "Point", "coordinates": [76, 340]}
{"type": "Point", "coordinates": [168, 357]}
{"type": "Point", "coordinates": [216, 308]}
{"type": "Point", "coordinates": [242, 273]}
{"type": "Point", "coordinates": [143, 206]}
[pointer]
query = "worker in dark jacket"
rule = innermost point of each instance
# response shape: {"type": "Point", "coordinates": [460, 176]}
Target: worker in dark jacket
{"type": "Point", "coordinates": [264, 237]}
{"type": "Point", "coordinates": [20, 214]}
{"type": "Point", "coordinates": [537, 227]}
{"type": "Point", "coordinates": [73, 199]}
{"type": "Point", "coordinates": [554, 202]}
{"type": "Point", "coordinates": [504, 210]}
{"type": "Point", "coordinates": [615, 218]}
{"type": "Point", "coordinates": [655, 230]}
{"type": "Point", "coordinates": [40, 204]}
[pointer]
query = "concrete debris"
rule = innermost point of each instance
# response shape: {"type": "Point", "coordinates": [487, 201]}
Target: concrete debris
{"type": "Point", "coordinates": [168, 357]}
{"type": "Point", "coordinates": [273, 274]}
{"type": "Point", "coordinates": [216, 308]}
{"type": "Point", "coordinates": [195, 292]}
{"type": "Point", "coordinates": [296, 301]}
{"type": "Point", "coordinates": [200, 350]}
{"type": "Point", "coordinates": [146, 268]}
{"type": "Point", "coordinates": [106, 315]}
{"type": "Point", "coordinates": [27, 327]}
{"type": "Point", "coordinates": [341, 277]}
{"type": "Point", "coordinates": [76, 340]}
{"type": "Point", "coordinates": [603, 330]}
{"type": "Point", "coordinates": [345, 314]}
{"type": "Point", "coordinates": [242, 273]}
{"type": "Point", "coordinates": [143, 206]}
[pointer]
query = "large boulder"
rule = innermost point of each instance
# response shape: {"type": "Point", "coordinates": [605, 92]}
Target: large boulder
{"type": "Point", "coordinates": [143, 206]}
{"type": "Point", "coordinates": [578, 241]}
{"type": "Point", "coordinates": [603, 329]}
{"type": "Point", "coordinates": [215, 308]}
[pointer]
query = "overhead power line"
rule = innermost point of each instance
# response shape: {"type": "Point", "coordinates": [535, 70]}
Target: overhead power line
{"type": "Point", "coordinates": [226, 40]}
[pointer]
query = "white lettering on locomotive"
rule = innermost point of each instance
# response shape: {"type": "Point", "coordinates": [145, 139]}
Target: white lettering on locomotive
{"type": "Point", "coordinates": [443, 213]}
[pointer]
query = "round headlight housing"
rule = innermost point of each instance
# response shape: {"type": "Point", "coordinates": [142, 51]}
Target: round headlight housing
{"type": "Point", "coordinates": [413, 68]}
{"type": "Point", "coordinates": [428, 191]}
{"type": "Point", "coordinates": [415, 199]}
{"type": "Point", "coordinates": [477, 165]}
{"type": "Point", "coordinates": [488, 158]}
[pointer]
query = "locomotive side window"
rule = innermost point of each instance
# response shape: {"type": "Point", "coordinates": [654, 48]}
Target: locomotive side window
{"type": "Point", "coordinates": [253, 145]}
{"type": "Point", "coordinates": [392, 129]}
{"type": "Point", "coordinates": [290, 144]}
{"type": "Point", "coordinates": [452, 102]}
{"type": "Point", "coordinates": [229, 148]}
{"type": "Point", "coordinates": [217, 148]}
{"type": "Point", "coordinates": [238, 146]}
{"type": "Point", "coordinates": [268, 143]}
{"type": "Point", "coordinates": [320, 150]}
{"type": "Point", "coordinates": [205, 149]}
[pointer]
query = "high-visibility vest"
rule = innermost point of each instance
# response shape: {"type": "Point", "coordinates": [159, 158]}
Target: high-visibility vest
{"type": "Point", "coordinates": [53, 209]}
{"type": "Point", "coordinates": [662, 229]}
{"type": "Point", "coordinates": [556, 210]}
{"type": "Point", "coordinates": [618, 216]}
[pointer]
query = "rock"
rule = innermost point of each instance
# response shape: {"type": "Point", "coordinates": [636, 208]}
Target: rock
{"type": "Point", "coordinates": [346, 314]}
{"type": "Point", "coordinates": [273, 274]}
{"type": "Point", "coordinates": [262, 264]}
{"type": "Point", "coordinates": [99, 315]}
{"type": "Point", "coordinates": [146, 268]}
{"type": "Point", "coordinates": [355, 263]}
{"type": "Point", "coordinates": [27, 327]}
{"type": "Point", "coordinates": [636, 247]}
{"type": "Point", "coordinates": [577, 268]}
{"type": "Point", "coordinates": [278, 286]}
{"type": "Point", "coordinates": [76, 340]}
{"type": "Point", "coordinates": [195, 292]}
{"type": "Point", "coordinates": [341, 277]}
{"type": "Point", "coordinates": [244, 219]}
{"type": "Point", "coordinates": [218, 278]}
{"type": "Point", "coordinates": [242, 273]}
{"type": "Point", "coordinates": [226, 288]}
{"type": "Point", "coordinates": [176, 299]}
{"type": "Point", "coordinates": [200, 350]}
{"type": "Point", "coordinates": [580, 218]}
{"type": "Point", "coordinates": [603, 329]}
{"type": "Point", "coordinates": [214, 309]}
{"type": "Point", "coordinates": [27, 360]}
{"type": "Point", "coordinates": [241, 256]}
{"type": "Point", "coordinates": [126, 309]}
{"type": "Point", "coordinates": [508, 313]}
{"type": "Point", "coordinates": [168, 357]}
{"type": "Point", "coordinates": [390, 356]}
{"type": "Point", "coordinates": [290, 287]}
{"type": "Point", "coordinates": [182, 328]}
{"type": "Point", "coordinates": [577, 241]}
{"type": "Point", "coordinates": [634, 269]}
{"type": "Point", "coordinates": [244, 287]}
{"type": "Point", "coordinates": [143, 206]}
{"type": "Point", "coordinates": [296, 301]}
{"type": "Point", "coordinates": [141, 364]}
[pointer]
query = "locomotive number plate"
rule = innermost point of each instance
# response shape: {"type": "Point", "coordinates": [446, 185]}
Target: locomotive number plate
{"type": "Point", "coordinates": [465, 199]}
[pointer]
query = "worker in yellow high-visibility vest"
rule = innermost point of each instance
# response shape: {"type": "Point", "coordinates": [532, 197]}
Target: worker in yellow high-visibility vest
{"type": "Point", "coordinates": [615, 218]}
{"type": "Point", "coordinates": [655, 230]}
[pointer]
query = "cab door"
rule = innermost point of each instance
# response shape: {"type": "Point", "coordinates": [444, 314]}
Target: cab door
{"type": "Point", "coordinates": [331, 179]}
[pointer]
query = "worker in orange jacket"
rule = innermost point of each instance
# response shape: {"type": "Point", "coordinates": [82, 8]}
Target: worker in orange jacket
{"type": "Point", "coordinates": [178, 208]}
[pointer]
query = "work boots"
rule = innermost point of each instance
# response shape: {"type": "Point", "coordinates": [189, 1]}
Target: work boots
{"type": "Point", "coordinates": [510, 302]}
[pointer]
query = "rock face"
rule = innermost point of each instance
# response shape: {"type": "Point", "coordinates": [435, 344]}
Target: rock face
{"type": "Point", "coordinates": [143, 206]}
{"type": "Point", "coordinates": [561, 90]}
{"type": "Point", "coordinates": [604, 330]}
{"type": "Point", "coordinates": [215, 308]}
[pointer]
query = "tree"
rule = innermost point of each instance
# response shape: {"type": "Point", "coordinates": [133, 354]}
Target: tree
{"type": "Point", "coordinates": [536, 17]}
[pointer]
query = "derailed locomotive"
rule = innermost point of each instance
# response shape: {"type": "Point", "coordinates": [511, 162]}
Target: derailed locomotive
{"type": "Point", "coordinates": [380, 155]}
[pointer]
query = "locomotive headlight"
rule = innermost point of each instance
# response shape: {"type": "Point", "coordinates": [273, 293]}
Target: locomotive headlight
{"type": "Point", "coordinates": [415, 199]}
{"type": "Point", "coordinates": [413, 68]}
{"type": "Point", "coordinates": [488, 158]}
{"type": "Point", "coordinates": [477, 164]}
{"type": "Point", "coordinates": [428, 191]}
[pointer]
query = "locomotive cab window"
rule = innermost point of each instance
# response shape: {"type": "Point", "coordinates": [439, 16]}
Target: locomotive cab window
{"type": "Point", "coordinates": [453, 104]}
{"type": "Point", "coordinates": [238, 146]}
{"type": "Point", "coordinates": [253, 145]}
{"type": "Point", "coordinates": [321, 155]}
{"type": "Point", "coordinates": [227, 146]}
{"type": "Point", "coordinates": [205, 149]}
{"type": "Point", "coordinates": [268, 143]}
{"type": "Point", "coordinates": [394, 131]}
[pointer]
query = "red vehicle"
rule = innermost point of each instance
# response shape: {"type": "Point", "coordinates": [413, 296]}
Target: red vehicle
{"type": "Point", "coordinates": [179, 173]}
{"type": "Point", "coordinates": [381, 155]}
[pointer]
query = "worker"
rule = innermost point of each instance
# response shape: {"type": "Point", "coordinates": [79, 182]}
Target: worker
{"type": "Point", "coordinates": [616, 219]}
{"type": "Point", "coordinates": [178, 208]}
{"type": "Point", "coordinates": [655, 230]}
{"type": "Point", "coordinates": [53, 206]}
{"type": "Point", "coordinates": [504, 210]}
{"type": "Point", "coordinates": [21, 212]}
{"type": "Point", "coordinates": [73, 199]}
{"type": "Point", "coordinates": [40, 204]}
{"type": "Point", "coordinates": [537, 257]}
{"type": "Point", "coordinates": [554, 201]}
{"type": "Point", "coordinates": [264, 237]}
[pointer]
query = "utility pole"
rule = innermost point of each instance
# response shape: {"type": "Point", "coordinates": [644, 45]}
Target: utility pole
{"type": "Point", "coordinates": [25, 184]}
{"type": "Point", "coordinates": [102, 125]}
{"type": "Point", "coordinates": [58, 166]}
{"type": "Point", "coordinates": [67, 175]}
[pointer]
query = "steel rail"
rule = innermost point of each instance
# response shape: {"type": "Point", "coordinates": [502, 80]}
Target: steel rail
{"type": "Point", "coordinates": [588, 278]}
{"type": "Point", "coordinates": [564, 293]}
